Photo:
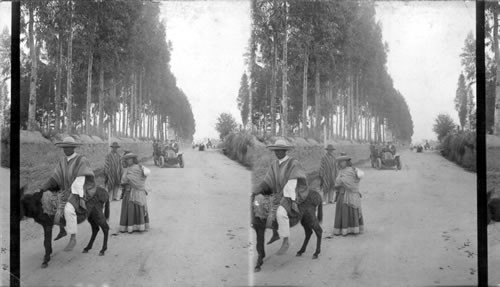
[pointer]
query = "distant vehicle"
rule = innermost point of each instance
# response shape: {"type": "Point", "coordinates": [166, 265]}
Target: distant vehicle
{"type": "Point", "coordinates": [420, 148]}
{"type": "Point", "coordinates": [169, 157]}
{"type": "Point", "coordinates": [201, 147]}
{"type": "Point", "coordinates": [383, 157]}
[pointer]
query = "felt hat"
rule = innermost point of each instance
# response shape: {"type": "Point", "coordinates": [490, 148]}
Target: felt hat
{"type": "Point", "coordinates": [115, 144]}
{"type": "Point", "coordinates": [330, 147]}
{"type": "Point", "coordinates": [129, 155]}
{"type": "Point", "coordinates": [280, 145]}
{"type": "Point", "coordinates": [343, 157]}
{"type": "Point", "coordinates": [68, 142]}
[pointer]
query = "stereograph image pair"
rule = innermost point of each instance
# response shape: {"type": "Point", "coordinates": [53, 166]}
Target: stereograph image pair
{"type": "Point", "coordinates": [249, 143]}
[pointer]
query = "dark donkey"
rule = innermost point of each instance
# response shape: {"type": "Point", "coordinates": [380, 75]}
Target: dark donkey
{"type": "Point", "coordinates": [307, 218]}
{"type": "Point", "coordinates": [31, 206]}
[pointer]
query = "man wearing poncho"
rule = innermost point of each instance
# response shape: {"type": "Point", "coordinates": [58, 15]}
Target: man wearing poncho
{"type": "Point", "coordinates": [286, 180]}
{"type": "Point", "coordinates": [327, 174]}
{"type": "Point", "coordinates": [73, 178]}
{"type": "Point", "coordinates": [348, 215]}
{"type": "Point", "coordinates": [113, 172]}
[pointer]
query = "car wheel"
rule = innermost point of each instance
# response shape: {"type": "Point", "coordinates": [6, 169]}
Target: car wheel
{"type": "Point", "coordinates": [181, 163]}
{"type": "Point", "coordinates": [379, 163]}
{"type": "Point", "coordinates": [398, 164]}
{"type": "Point", "coordinates": [162, 161]}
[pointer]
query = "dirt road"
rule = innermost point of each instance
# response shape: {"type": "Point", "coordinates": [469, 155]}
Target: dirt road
{"type": "Point", "coordinates": [420, 230]}
{"type": "Point", "coordinates": [198, 235]}
{"type": "Point", "coordinates": [5, 226]}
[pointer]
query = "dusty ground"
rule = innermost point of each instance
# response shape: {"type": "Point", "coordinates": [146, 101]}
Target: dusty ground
{"type": "Point", "coordinates": [5, 225]}
{"type": "Point", "coordinates": [493, 170]}
{"type": "Point", "coordinates": [420, 230]}
{"type": "Point", "coordinates": [198, 236]}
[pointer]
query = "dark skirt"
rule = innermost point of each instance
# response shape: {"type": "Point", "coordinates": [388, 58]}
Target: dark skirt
{"type": "Point", "coordinates": [348, 220]}
{"type": "Point", "coordinates": [133, 216]}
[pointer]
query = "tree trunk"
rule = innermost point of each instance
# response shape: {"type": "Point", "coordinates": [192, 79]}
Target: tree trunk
{"type": "Point", "coordinates": [33, 74]}
{"type": "Point", "coordinates": [69, 123]}
{"type": "Point", "coordinates": [89, 89]}
{"type": "Point", "coordinates": [497, 61]}
{"type": "Point", "coordinates": [304, 91]}
{"type": "Point", "coordinates": [284, 101]}
{"type": "Point", "coordinates": [141, 107]}
{"type": "Point", "coordinates": [273, 88]}
{"type": "Point", "coordinates": [317, 99]}
{"type": "Point", "coordinates": [101, 93]}
{"type": "Point", "coordinates": [57, 98]}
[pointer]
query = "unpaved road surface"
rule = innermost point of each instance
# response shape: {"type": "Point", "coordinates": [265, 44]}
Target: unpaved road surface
{"type": "Point", "coordinates": [420, 230]}
{"type": "Point", "coordinates": [198, 234]}
{"type": "Point", "coordinates": [5, 226]}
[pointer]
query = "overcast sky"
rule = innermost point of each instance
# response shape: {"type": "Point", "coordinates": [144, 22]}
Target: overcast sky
{"type": "Point", "coordinates": [5, 14]}
{"type": "Point", "coordinates": [209, 39]}
{"type": "Point", "coordinates": [425, 40]}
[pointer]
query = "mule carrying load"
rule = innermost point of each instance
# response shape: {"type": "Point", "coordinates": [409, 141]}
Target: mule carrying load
{"type": "Point", "coordinates": [42, 206]}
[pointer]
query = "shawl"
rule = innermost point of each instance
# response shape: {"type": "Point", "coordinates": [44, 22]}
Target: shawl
{"type": "Point", "coordinates": [135, 177]}
{"type": "Point", "coordinates": [112, 170]}
{"type": "Point", "coordinates": [66, 172]}
{"type": "Point", "coordinates": [328, 171]}
{"type": "Point", "coordinates": [348, 179]}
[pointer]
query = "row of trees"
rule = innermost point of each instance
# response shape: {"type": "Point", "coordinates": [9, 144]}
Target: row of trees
{"type": "Point", "coordinates": [5, 41]}
{"type": "Point", "coordinates": [492, 57]}
{"type": "Point", "coordinates": [93, 65]}
{"type": "Point", "coordinates": [320, 64]}
{"type": "Point", "coordinates": [464, 97]}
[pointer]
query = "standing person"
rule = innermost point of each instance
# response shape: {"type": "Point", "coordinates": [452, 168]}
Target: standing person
{"type": "Point", "coordinates": [348, 215]}
{"type": "Point", "coordinates": [328, 174]}
{"type": "Point", "coordinates": [134, 213]}
{"type": "Point", "coordinates": [288, 184]}
{"type": "Point", "coordinates": [113, 172]}
{"type": "Point", "coordinates": [73, 177]}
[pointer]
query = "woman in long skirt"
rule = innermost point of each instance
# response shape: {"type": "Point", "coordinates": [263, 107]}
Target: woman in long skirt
{"type": "Point", "coordinates": [348, 215]}
{"type": "Point", "coordinates": [134, 213]}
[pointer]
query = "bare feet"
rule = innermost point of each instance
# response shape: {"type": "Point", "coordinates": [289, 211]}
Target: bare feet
{"type": "Point", "coordinates": [71, 243]}
{"type": "Point", "coordinates": [284, 247]}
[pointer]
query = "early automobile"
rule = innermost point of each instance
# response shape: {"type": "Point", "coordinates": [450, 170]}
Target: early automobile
{"type": "Point", "coordinates": [169, 157]}
{"type": "Point", "coordinates": [384, 157]}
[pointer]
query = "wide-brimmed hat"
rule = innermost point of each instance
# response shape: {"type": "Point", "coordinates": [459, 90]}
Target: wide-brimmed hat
{"type": "Point", "coordinates": [330, 147]}
{"type": "Point", "coordinates": [280, 145]}
{"type": "Point", "coordinates": [343, 158]}
{"type": "Point", "coordinates": [68, 142]}
{"type": "Point", "coordinates": [115, 144]}
{"type": "Point", "coordinates": [129, 155]}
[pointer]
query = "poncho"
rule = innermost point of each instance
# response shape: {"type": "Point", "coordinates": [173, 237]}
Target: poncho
{"type": "Point", "coordinates": [328, 171]}
{"type": "Point", "coordinates": [276, 179]}
{"type": "Point", "coordinates": [113, 170]}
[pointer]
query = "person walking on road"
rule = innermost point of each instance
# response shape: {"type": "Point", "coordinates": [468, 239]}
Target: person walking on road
{"type": "Point", "coordinates": [134, 213]}
{"type": "Point", "coordinates": [74, 179]}
{"type": "Point", "coordinates": [288, 184]}
{"type": "Point", "coordinates": [328, 174]}
{"type": "Point", "coordinates": [348, 215]}
{"type": "Point", "coordinates": [113, 172]}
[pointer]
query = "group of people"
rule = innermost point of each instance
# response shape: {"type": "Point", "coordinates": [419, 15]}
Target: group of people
{"type": "Point", "coordinates": [74, 181]}
{"type": "Point", "coordinates": [287, 181]}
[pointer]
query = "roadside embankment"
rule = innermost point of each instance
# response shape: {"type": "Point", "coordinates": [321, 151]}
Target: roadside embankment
{"type": "Point", "coordinates": [252, 152]}
{"type": "Point", "coordinates": [39, 156]}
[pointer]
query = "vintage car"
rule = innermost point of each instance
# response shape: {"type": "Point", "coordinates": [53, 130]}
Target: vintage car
{"type": "Point", "coordinates": [169, 157]}
{"type": "Point", "coordinates": [201, 147]}
{"type": "Point", "coordinates": [383, 157]}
